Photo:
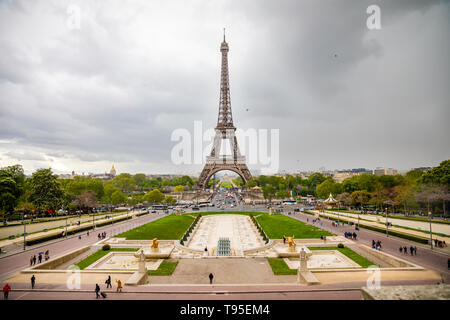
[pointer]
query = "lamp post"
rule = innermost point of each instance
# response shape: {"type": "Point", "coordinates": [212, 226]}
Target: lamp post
{"type": "Point", "coordinates": [24, 232]}
{"type": "Point", "coordinates": [387, 235]}
{"type": "Point", "coordinates": [431, 234]}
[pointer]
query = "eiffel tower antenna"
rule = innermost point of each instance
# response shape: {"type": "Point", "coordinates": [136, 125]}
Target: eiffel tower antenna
{"type": "Point", "coordinates": [225, 131]}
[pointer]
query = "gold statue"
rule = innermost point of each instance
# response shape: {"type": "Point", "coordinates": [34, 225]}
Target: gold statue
{"type": "Point", "coordinates": [291, 241]}
{"type": "Point", "coordinates": [155, 243]}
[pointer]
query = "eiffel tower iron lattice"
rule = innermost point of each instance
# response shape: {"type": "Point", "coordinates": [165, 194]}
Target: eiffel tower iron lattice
{"type": "Point", "coordinates": [224, 131]}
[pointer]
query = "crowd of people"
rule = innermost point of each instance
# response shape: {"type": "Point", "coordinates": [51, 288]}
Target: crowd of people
{"type": "Point", "coordinates": [376, 245]}
{"type": "Point", "coordinates": [412, 250]}
{"type": "Point", "coordinates": [33, 258]}
{"type": "Point", "coordinates": [350, 235]}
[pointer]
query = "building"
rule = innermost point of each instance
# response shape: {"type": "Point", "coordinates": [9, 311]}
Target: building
{"type": "Point", "coordinates": [379, 171]}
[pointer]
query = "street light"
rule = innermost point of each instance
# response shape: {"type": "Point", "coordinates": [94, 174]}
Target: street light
{"type": "Point", "coordinates": [24, 231]}
{"type": "Point", "coordinates": [387, 235]}
{"type": "Point", "coordinates": [431, 234]}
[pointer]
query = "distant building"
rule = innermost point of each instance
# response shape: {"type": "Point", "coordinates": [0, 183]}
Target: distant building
{"type": "Point", "coordinates": [384, 171]}
{"type": "Point", "coordinates": [423, 169]}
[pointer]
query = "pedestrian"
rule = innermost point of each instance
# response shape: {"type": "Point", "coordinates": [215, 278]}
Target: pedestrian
{"type": "Point", "coordinates": [6, 290]}
{"type": "Point", "coordinates": [87, 233]}
{"type": "Point", "coordinates": [405, 250]}
{"type": "Point", "coordinates": [108, 282]}
{"type": "Point", "coordinates": [98, 236]}
{"type": "Point", "coordinates": [79, 237]}
{"type": "Point", "coordinates": [40, 257]}
{"type": "Point", "coordinates": [411, 250]}
{"type": "Point", "coordinates": [31, 261]}
{"type": "Point", "coordinates": [33, 281]}
{"type": "Point", "coordinates": [97, 290]}
{"type": "Point", "coordinates": [119, 286]}
{"type": "Point", "coordinates": [284, 240]}
{"type": "Point", "coordinates": [34, 259]}
{"type": "Point", "coordinates": [435, 242]}
{"type": "Point", "coordinates": [401, 249]}
{"type": "Point", "coordinates": [415, 250]}
{"type": "Point", "coordinates": [211, 278]}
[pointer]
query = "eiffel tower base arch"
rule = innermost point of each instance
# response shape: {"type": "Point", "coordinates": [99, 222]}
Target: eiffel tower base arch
{"type": "Point", "coordinates": [210, 169]}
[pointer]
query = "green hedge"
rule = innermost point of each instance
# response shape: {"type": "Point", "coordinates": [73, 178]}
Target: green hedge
{"type": "Point", "coordinates": [60, 235]}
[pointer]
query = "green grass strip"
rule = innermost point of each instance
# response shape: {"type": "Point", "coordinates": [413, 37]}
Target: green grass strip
{"type": "Point", "coordinates": [276, 226]}
{"type": "Point", "coordinates": [86, 262]}
{"type": "Point", "coordinates": [164, 269]}
{"type": "Point", "coordinates": [363, 262]}
{"type": "Point", "coordinates": [280, 268]}
{"type": "Point", "coordinates": [171, 227]}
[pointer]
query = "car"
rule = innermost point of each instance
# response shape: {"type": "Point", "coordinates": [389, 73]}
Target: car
{"type": "Point", "coordinates": [195, 208]}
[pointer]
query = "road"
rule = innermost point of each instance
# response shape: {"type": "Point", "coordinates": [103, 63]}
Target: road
{"type": "Point", "coordinates": [13, 263]}
{"type": "Point", "coordinates": [430, 259]}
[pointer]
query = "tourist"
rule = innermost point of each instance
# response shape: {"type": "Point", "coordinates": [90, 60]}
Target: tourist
{"type": "Point", "coordinates": [33, 281]}
{"type": "Point", "coordinates": [79, 237]}
{"type": "Point", "coordinates": [411, 250]}
{"type": "Point", "coordinates": [415, 250]}
{"type": "Point", "coordinates": [97, 290]}
{"type": "Point", "coordinates": [108, 282]}
{"type": "Point", "coordinates": [98, 236]}
{"type": "Point", "coordinates": [435, 242]}
{"type": "Point", "coordinates": [211, 278]}
{"type": "Point", "coordinates": [87, 233]}
{"type": "Point", "coordinates": [31, 261]}
{"type": "Point", "coordinates": [119, 286]}
{"type": "Point", "coordinates": [40, 257]}
{"type": "Point", "coordinates": [34, 259]}
{"type": "Point", "coordinates": [354, 236]}
{"type": "Point", "coordinates": [405, 250]}
{"type": "Point", "coordinates": [284, 240]}
{"type": "Point", "coordinates": [6, 290]}
{"type": "Point", "coordinates": [401, 249]}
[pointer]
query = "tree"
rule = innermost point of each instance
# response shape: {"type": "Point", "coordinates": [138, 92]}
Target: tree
{"type": "Point", "coordinates": [124, 182]}
{"type": "Point", "coordinates": [86, 199]}
{"type": "Point", "coordinates": [268, 192]}
{"type": "Point", "coordinates": [360, 197]}
{"type": "Point", "coordinates": [154, 196]}
{"type": "Point", "coordinates": [315, 179]}
{"type": "Point", "coordinates": [251, 184]}
{"type": "Point", "coordinates": [345, 198]}
{"type": "Point", "coordinates": [437, 175]}
{"type": "Point", "coordinates": [118, 198]}
{"type": "Point", "coordinates": [46, 192]}
{"type": "Point", "coordinates": [170, 200]}
{"type": "Point", "coordinates": [328, 186]}
{"type": "Point", "coordinates": [11, 188]}
{"type": "Point", "coordinates": [179, 188]}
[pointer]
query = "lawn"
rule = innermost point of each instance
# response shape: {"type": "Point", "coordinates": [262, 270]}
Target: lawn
{"type": "Point", "coordinates": [164, 269]}
{"type": "Point", "coordinates": [171, 227]}
{"type": "Point", "coordinates": [280, 268]}
{"type": "Point", "coordinates": [86, 262]}
{"type": "Point", "coordinates": [276, 226]}
{"type": "Point", "coordinates": [363, 262]}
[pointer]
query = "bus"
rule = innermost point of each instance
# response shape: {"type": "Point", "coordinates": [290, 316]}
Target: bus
{"type": "Point", "coordinates": [159, 207]}
{"type": "Point", "coordinates": [289, 202]}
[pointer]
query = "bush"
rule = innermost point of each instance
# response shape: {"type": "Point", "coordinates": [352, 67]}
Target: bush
{"type": "Point", "coordinates": [106, 247]}
{"type": "Point", "coordinates": [340, 245]}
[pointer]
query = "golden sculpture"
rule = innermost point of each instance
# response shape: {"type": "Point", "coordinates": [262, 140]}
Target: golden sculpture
{"type": "Point", "coordinates": [155, 243]}
{"type": "Point", "coordinates": [291, 241]}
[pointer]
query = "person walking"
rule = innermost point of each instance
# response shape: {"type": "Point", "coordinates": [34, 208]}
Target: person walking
{"type": "Point", "coordinates": [6, 290]}
{"type": "Point", "coordinates": [405, 250]}
{"type": "Point", "coordinates": [211, 277]}
{"type": "Point", "coordinates": [411, 250]}
{"type": "Point", "coordinates": [33, 281]}
{"type": "Point", "coordinates": [40, 257]}
{"type": "Point", "coordinates": [119, 286]}
{"type": "Point", "coordinates": [415, 250]}
{"type": "Point", "coordinates": [34, 259]}
{"type": "Point", "coordinates": [401, 249]}
{"type": "Point", "coordinates": [31, 261]}
{"type": "Point", "coordinates": [97, 290]}
{"type": "Point", "coordinates": [108, 282]}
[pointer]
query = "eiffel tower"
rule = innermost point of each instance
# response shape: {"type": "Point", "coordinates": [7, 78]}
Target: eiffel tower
{"type": "Point", "coordinates": [225, 131]}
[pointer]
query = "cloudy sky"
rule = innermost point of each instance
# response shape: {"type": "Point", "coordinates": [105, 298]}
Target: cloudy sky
{"type": "Point", "coordinates": [87, 84]}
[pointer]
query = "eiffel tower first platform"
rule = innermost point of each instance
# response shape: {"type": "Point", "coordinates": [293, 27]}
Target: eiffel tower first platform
{"type": "Point", "coordinates": [225, 132]}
